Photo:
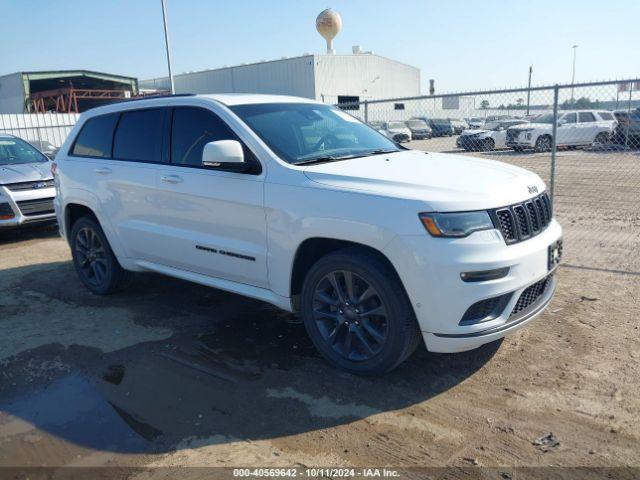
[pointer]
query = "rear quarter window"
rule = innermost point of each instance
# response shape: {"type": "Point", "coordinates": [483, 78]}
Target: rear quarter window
{"type": "Point", "coordinates": [605, 115]}
{"type": "Point", "coordinates": [96, 137]}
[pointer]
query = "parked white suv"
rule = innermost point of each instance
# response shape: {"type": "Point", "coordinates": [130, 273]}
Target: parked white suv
{"type": "Point", "coordinates": [575, 128]}
{"type": "Point", "coordinates": [299, 204]}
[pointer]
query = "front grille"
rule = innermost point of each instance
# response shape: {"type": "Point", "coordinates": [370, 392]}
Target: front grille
{"type": "Point", "coordinates": [41, 206]}
{"type": "Point", "coordinates": [523, 220]}
{"type": "Point", "coordinates": [22, 186]}
{"type": "Point", "coordinates": [531, 295]}
{"type": "Point", "coordinates": [5, 210]}
{"type": "Point", "coordinates": [512, 135]}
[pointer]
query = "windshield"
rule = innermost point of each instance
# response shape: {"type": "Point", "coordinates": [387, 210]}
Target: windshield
{"type": "Point", "coordinates": [439, 121]}
{"type": "Point", "coordinates": [397, 125]}
{"type": "Point", "coordinates": [416, 124]}
{"type": "Point", "coordinates": [14, 151]}
{"type": "Point", "coordinates": [546, 118]}
{"type": "Point", "coordinates": [302, 132]}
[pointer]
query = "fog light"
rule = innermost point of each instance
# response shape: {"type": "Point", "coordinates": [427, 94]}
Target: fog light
{"type": "Point", "coordinates": [5, 212]}
{"type": "Point", "coordinates": [484, 275]}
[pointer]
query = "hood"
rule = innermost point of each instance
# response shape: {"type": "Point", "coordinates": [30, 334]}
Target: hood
{"type": "Point", "coordinates": [474, 131]}
{"type": "Point", "coordinates": [529, 126]}
{"type": "Point", "coordinates": [25, 172]}
{"type": "Point", "coordinates": [443, 182]}
{"type": "Point", "coordinates": [399, 130]}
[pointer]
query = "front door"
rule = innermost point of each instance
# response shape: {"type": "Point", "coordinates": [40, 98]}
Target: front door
{"type": "Point", "coordinates": [214, 220]}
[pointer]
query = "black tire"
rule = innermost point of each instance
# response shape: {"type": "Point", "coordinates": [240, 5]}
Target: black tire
{"type": "Point", "coordinates": [379, 339]}
{"type": "Point", "coordinates": [601, 139]}
{"type": "Point", "coordinates": [488, 145]}
{"type": "Point", "coordinates": [543, 143]}
{"type": "Point", "coordinates": [518, 149]}
{"type": "Point", "coordinates": [93, 259]}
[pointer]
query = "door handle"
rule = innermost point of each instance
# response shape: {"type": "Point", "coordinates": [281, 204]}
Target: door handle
{"type": "Point", "coordinates": [171, 179]}
{"type": "Point", "coordinates": [103, 170]}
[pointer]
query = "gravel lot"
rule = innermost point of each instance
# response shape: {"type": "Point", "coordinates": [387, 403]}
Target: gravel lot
{"type": "Point", "coordinates": [170, 373]}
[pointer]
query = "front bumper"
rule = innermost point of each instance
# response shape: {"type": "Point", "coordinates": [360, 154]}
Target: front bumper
{"type": "Point", "coordinates": [430, 271]}
{"type": "Point", "coordinates": [470, 142]}
{"type": "Point", "coordinates": [14, 216]}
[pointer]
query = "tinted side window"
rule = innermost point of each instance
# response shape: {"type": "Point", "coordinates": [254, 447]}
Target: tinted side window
{"type": "Point", "coordinates": [139, 135]}
{"type": "Point", "coordinates": [586, 117]}
{"type": "Point", "coordinates": [570, 118]}
{"type": "Point", "coordinates": [191, 129]}
{"type": "Point", "coordinates": [96, 137]}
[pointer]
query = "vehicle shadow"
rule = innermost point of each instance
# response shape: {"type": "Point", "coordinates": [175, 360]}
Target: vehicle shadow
{"type": "Point", "coordinates": [29, 232]}
{"type": "Point", "coordinates": [169, 360]}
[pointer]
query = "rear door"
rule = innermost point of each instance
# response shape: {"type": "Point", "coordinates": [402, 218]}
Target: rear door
{"type": "Point", "coordinates": [588, 127]}
{"type": "Point", "coordinates": [214, 220]}
{"type": "Point", "coordinates": [115, 158]}
{"type": "Point", "coordinates": [568, 129]}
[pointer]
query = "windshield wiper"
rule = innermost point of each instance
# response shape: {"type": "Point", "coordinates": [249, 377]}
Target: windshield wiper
{"type": "Point", "coordinates": [325, 159]}
{"type": "Point", "coordinates": [330, 158]}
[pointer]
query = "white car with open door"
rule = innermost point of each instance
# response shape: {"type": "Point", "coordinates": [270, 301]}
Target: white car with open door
{"type": "Point", "coordinates": [493, 135]}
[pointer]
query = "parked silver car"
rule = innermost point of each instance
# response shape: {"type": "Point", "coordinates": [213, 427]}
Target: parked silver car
{"type": "Point", "coordinates": [26, 184]}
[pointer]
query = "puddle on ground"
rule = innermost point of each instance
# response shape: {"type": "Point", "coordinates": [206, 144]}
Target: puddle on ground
{"type": "Point", "coordinates": [73, 409]}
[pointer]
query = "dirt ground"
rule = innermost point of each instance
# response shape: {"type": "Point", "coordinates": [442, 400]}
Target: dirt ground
{"type": "Point", "coordinates": [174, 374]}
{"type": "Point", "coordinates": [170, 373]}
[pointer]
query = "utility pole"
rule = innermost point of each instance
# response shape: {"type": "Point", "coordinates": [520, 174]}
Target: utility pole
{"type": "Point", "coordinates": [573, 72]}
{"type": "Point", "coordinates": [166, 42]}
{"type": "Point", "coordinates": [529, 88]}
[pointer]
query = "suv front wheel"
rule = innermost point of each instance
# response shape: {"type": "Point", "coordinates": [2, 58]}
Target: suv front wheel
{"type": "Point", "coordinates": [357, 312]}
{"type": "Point", "coordinates": [93, 259]}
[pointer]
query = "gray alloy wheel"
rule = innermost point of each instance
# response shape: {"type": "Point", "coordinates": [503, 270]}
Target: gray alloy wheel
{"type": "Point", "coordinates": [350, 315]}
{"type": "Point", "coordinates": [94, 261]}
{"type": "Point", "coordinates": [543, 143]}
{"type": "Point", "coordinates": [357, 312]}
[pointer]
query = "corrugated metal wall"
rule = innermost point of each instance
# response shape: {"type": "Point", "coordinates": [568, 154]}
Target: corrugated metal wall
{"type": "Point", "coordinates": [366, 76]}
{"type": "Point", "coordinates": [292, 76]}
{"type": "Point", "coordinates": [52, 127]}
{"type": "Point", "coordinates": [321, 77]}
{"type": "Point", "coordinates": [12, 93]}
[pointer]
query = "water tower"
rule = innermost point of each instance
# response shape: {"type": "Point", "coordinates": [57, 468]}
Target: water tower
{"type": "Point", "coordinates": [329, 24]}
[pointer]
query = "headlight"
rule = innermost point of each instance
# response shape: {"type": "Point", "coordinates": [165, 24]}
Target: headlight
{"type": "Point", "coordinates": [456, 224]}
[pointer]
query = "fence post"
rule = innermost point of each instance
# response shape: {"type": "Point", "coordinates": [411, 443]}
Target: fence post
{"type": "Point", "coordinates": [552, 179]}
{"type": "Point", "coordinates": [366, 111]}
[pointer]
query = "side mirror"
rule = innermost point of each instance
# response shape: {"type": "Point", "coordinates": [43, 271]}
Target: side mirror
{"type": "Point", "coordinates": [224, 154]}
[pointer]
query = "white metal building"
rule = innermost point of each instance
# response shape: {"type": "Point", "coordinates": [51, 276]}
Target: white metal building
{"type": "Point", "coordinates": [325, 77]}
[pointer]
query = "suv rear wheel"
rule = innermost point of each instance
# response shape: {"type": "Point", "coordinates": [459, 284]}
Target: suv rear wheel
{"type": "Point", "coordinates": [543, 143]}
{"type": "Point", "coordinates": [357, 312]}
{"type": "Point", "coordinates": [93, 259]}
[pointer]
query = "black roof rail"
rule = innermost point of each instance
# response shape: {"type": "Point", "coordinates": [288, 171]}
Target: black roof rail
{"type": "Point", "coordinates": [153, 97]}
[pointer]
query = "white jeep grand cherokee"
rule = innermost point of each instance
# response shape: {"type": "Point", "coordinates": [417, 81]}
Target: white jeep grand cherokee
{"type": "Point", "coordinates": [303, 206]}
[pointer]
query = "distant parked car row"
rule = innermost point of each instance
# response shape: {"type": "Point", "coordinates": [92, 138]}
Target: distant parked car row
{"type": "Point", "coordinates": [535, 132]}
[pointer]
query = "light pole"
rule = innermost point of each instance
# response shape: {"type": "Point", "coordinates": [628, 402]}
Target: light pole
{"type": "Point", "coordinates": [166, 42]}
{"type": "Point", "coordinates": [529, 88]}
{"type": "Point", "coordinates": [573, 72]}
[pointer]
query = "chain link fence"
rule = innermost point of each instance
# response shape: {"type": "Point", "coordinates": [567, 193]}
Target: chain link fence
{"type": "Point", "coordinates": [582, 139]}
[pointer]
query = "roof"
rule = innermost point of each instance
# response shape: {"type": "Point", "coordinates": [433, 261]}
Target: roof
{"type": "Point", "coordinates": [252, 98]}
{"type": "Point", "coordinates": [228, 99]}
{"type": "Point", "coordinates": [45, 74]}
